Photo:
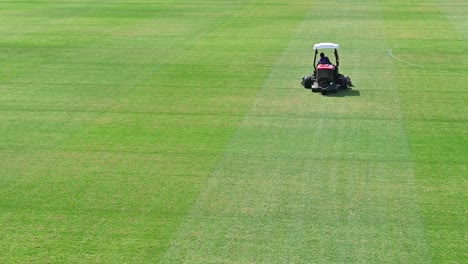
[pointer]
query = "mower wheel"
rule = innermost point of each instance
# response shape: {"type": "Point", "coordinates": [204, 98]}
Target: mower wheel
{"type": "Point", "coordinates": [307, 82]}
{"type": "Point", "coordinates": [344, 84]}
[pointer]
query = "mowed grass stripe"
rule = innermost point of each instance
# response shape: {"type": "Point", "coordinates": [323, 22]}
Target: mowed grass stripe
{"type": "Point", "coordinates": [102, 150]}
{"type": "Point", "coordinates": [436, 116]}
{"type": "Point", "coordinates": [314, 189]}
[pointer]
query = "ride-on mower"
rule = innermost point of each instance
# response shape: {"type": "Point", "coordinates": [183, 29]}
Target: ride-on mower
{"type": "Point", "coordinates": [326, 77]}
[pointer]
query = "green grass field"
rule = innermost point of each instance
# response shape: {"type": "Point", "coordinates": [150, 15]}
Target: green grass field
{"type": "Point", "coordinates": [144, 131]}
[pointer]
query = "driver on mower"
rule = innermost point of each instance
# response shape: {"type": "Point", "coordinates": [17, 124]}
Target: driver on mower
{"type": "Point", "coordinates": [324, 59]}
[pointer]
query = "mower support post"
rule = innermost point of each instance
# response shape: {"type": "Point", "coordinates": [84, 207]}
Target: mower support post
{"type": "Point", "coordinates": [337, 58]}
{"type": "Point", "coordinates": [315, 59]}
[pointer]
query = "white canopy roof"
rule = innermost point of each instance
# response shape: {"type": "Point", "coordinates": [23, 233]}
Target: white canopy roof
{"type": "Point", "coordinates": [326, 46]}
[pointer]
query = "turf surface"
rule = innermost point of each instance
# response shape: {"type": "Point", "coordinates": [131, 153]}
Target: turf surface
{"type": "Point", "coordinates": [177, 131]}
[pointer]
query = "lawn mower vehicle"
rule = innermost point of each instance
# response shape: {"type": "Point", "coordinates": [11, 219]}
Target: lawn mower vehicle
{"type": "Point", "coordinates": [326, 77]}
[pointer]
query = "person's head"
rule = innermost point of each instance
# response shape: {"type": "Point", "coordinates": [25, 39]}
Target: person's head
{"type": "Point", "coordinates": [322, 55]}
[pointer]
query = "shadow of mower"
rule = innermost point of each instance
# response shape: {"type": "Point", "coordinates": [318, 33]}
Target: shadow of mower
{"type": "Point", "coordinates": [344, 93]}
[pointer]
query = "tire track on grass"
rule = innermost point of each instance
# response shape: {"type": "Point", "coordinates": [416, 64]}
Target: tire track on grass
{"type": "Point", "coordinates": [200, 236]}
